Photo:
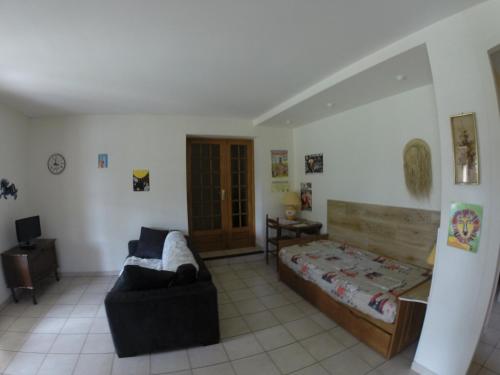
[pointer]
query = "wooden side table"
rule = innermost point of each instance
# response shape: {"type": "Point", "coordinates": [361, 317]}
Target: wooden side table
{"type": "Point", "coordinates": [298, 227]}
{"type": "Point", "coordinates": [24, 268]}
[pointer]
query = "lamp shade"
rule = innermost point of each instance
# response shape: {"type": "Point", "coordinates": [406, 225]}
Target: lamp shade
{"type": "Point", "coordinates": [432, 256]}
{"type": "Point", "coordinates": [290, 199]}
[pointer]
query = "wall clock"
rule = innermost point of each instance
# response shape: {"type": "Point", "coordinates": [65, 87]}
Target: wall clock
{"type": "Point", "coordinates": [56, 163]}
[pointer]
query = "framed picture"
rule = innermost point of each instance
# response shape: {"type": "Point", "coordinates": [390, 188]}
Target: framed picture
{"type": "Point", "coordinates": [306, 196]}
{"type": "Point", "coordinates": [279, 186]}
{"type": "Point", "coordinates": [465, 148]}
{"type": "Point", "coordinates": [102, 160]}
{"type": "Point", "coordinates": [279, 163]}
{"type": "Point", "coordinates": [314, 163]}
{"type": "Point", "coordinates": [464, 230]}
{"type": "Point", "coordinates": [140, 179]}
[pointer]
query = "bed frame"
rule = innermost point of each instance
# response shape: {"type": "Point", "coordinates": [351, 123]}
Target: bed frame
{"type": "Point", "coordinates": [405, 234]}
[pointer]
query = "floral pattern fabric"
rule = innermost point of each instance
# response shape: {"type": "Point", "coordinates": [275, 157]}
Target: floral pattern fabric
{"type": "Point", "coordinates": [366, 281]}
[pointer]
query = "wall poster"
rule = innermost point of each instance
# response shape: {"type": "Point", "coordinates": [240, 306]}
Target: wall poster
{"type": "Point", "coordinates": [279, 163]}
{"type": "Point", "coordinates": [279, 186]}
{"type": "Point", "coordinates": [102, 161]}
{"type": "Point", "coordinates": [140, 179]}
{"type": "Point", "coordinates": [314, 163]}
{"type": "Point", "coordinates": [464, 230]}
{"type": "Point", "coordinates": [306, 196]}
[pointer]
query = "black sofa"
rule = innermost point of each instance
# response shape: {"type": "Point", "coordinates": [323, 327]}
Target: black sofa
{"type": "Point", "coordinates": [165, 318]}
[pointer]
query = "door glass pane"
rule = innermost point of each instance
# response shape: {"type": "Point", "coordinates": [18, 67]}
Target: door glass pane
{"type": "Point", "coordinates": [239, 166]}
{"type": "Point", "coordinates": [205, 187]}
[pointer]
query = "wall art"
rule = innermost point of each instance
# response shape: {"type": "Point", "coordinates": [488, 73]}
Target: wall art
{"type": "Point", "coordinates": [7, 189]}
{"type": "Point", "coordinates": [306, 196]}
{"type": "Point", "coordinates": [465, 148]}
{"type": "Point", "coordinates": [279, 163]}
{"type": "Point", "coordinates": [464, 230]}
{"type": "Point", "coordinates": [314, 163]}
{"type": "Point", "coordinates": [141, 179]}
{"type": "Point", "coordinates": [279, 186]}
{"type": "Point", "coordinates": [102, 161]}
{"type": "Point", "coordinates": [418, 168]}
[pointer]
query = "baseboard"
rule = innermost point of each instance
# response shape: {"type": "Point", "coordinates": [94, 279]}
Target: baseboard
{"type": "Point", "coordinates": [420, 369]}
{"type": "Point", "coordinates": [233, 255]}
{"type": "Point", "coordinates": [89, 274]}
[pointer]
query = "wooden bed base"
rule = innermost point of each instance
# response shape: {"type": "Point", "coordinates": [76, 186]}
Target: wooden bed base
{"type": "Point", "coordinates": [405, 234]}
{"type": "Point", "coordinates": [387, 339]}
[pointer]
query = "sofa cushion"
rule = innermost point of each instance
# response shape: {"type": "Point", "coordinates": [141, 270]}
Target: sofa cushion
{"type": "Point", "coordinates": [140, 278]}
{"type": "Point", "coordinates": [151, 243]}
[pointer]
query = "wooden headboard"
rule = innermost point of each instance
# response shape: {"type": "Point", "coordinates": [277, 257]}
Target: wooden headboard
{"type": "Point", "coordinates": [406, 234]}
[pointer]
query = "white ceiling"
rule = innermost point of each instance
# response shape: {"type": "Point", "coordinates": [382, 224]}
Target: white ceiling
{"type": "Point", "coordinates": [231, 58]}
{"type": "Point", "coordinates": [406, 71]}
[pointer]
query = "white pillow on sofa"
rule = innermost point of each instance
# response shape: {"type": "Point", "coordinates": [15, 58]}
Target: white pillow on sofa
{"type": "Point", "coordinates": [176, 252]}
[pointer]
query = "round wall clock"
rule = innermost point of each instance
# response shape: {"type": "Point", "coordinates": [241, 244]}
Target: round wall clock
{"type": "Point", "coordinates": [56, 163]}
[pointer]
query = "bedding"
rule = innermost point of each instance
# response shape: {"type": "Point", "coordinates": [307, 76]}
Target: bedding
{"type": "Point", "coordinates": [369, 282]}
{"type": "Point", "coordinates": [175, 253]}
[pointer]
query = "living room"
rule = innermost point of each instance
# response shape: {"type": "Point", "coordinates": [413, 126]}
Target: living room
{"type": "Point", "coordinates": [129, 84]}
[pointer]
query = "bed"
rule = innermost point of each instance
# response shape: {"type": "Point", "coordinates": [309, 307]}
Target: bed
{"type": "Point", "coordinates": [373, 255]}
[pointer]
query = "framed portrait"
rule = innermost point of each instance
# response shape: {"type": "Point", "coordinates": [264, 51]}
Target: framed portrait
{"type": "Point", "coordinates": [465, 148]}
{"type": "Point", "coordinates": [314, 163]}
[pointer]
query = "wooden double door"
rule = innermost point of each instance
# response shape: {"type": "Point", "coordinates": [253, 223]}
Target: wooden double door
{"type": "Point", "coordinates": [220, 180]}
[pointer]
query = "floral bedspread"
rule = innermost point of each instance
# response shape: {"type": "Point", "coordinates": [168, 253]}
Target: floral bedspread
{"type": "Point", "coordinates": [366, 281]}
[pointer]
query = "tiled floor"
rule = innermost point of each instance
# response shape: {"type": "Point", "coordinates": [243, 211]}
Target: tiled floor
{"type": "Point", "coordinates": [487, 358]}
{"type": "Point", "coordinates": [266, 329]}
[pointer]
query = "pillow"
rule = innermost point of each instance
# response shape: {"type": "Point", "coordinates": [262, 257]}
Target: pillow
{"type": "Point", "coordinates": [176, 252]}
{"type": "Point", "coordinates": [151, 243]}
{"type": "Point", "coordinates": [174, 238]}
{"type": "Point", "coordinates": [186, 274]}
{"type": "Point", "coordinates": [140, 278]}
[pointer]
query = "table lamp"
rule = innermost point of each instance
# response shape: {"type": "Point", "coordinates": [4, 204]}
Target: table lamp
{"type": "Point", "coordinates": [291, 201]}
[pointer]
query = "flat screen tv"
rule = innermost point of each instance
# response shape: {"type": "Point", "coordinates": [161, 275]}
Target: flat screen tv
{"type": "Point", "coordinates": [27, 230]}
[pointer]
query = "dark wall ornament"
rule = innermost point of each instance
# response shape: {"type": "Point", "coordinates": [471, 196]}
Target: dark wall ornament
{"type": "Point", "coordinates": [7, 189]}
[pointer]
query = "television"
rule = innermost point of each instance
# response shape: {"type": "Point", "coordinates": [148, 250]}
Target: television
{"type": "Point", "coordinates": [27, 230]}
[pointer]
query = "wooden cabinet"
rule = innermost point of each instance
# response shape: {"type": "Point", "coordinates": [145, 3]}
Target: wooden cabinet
{"type": "Point", "coordinates": [24, 268]}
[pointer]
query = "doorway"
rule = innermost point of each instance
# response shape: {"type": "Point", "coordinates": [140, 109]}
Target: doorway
{"type": "Point", "coordinates": [220, 188]}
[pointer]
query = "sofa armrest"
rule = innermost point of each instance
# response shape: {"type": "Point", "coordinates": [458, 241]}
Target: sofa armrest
{"type": "Point", "coordinates": [132, 247]}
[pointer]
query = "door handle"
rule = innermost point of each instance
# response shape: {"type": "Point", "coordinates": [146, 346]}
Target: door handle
{"type": "Point", "coordinates": [223, 194]}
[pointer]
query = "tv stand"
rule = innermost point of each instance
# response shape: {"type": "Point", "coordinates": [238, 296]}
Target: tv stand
{"type": "Point", "coordinates": [25, 268]}
{"type": "Point", "coordinates": [27, 245]}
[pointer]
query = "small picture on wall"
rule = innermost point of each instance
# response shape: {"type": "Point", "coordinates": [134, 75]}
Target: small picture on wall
{"type": "Point", "coordinates": [314, 163]}
{"type": "Point", "coordinates": [465, 148]}
{"type": "Point", "coordinates": [306, 196]}
{"type": "Point", "coordinates": [141, 179]}
{"type": "Point", "coordinates": [102, 161]}
{"type": "Point", "coordinates": [279, 163]}
{"type": "Point", "coordinates": [465, 226]}
{"type": "Point", "coordinates": [279, 186]}
{"type": "Point", "coordinates": [7, 189]}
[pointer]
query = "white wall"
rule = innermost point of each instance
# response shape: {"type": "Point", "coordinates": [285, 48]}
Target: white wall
{"type": "Point", "coordinates": [363, 152]}
{"type": "Point", "coordinates": [463, 282]}
{"type": "Point", "coordinates": [13, 163]}
{"type": "Point", "coordinates": [93, 212]}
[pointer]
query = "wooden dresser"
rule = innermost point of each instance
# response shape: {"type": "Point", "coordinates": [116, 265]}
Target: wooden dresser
{"type": "Point", "coordinates": [24, 268]}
